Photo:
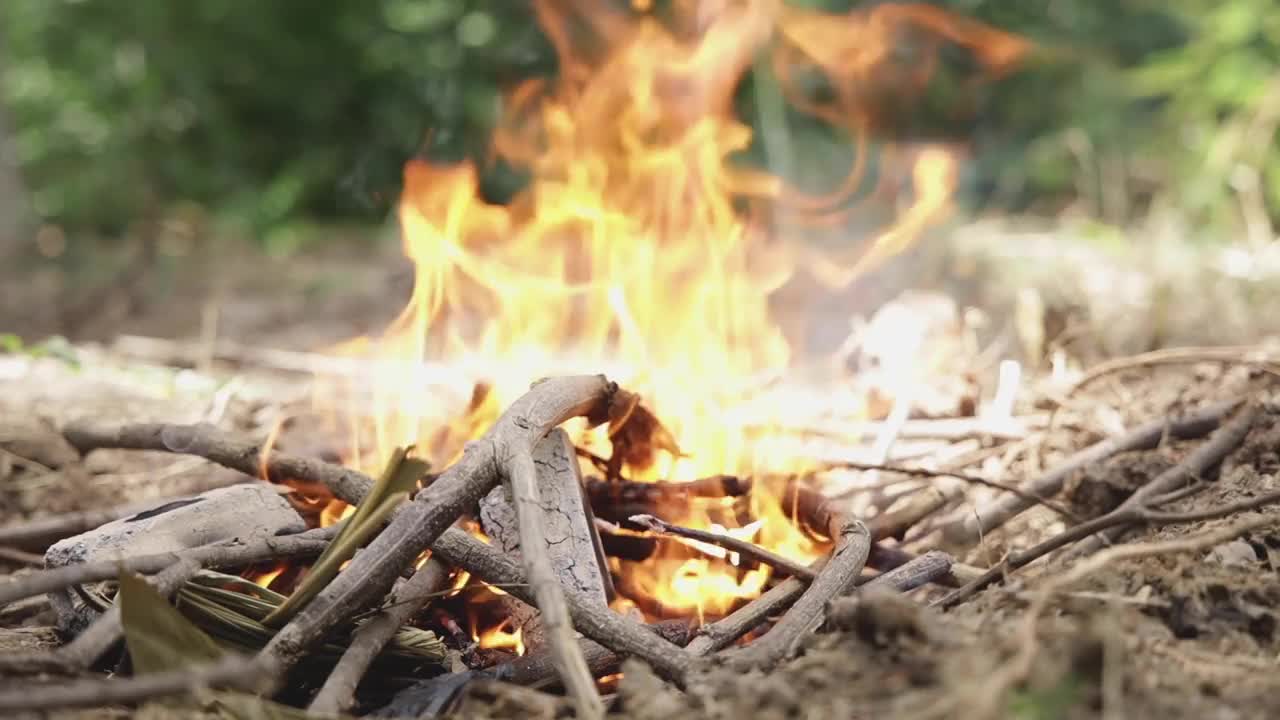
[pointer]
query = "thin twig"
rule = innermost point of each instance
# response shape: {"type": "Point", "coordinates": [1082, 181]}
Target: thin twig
{"type": "Point", "coordinates": [207, 441]}
{"type": "Point", "coordinates": [838, 577]}
{"type": "Point", "coordinates": [107, 630]}
{"type": "Point", "coordinates": [1029, 497]}
{"type": "Point", "coordinates": [234, 672]}
{"type": "Point", "coordinates": [1239, 355]}
{"type": "Point", "coordinates": [1144, 437]}
{"type": "Point", "coordinates": [1192, 469]}
{"type": "Point", "coordinates": [39, 534]}
{"type": "Point", "coordinates": [1127, 515]}
{"type": "Point", "coordinates": [21, 557]}
{"type": "Point", "coordinates": [338, 692]}
{"type": "Point", "coordinates": [229, 553]}
{"type": "Point", "coordinates": [742, 547]}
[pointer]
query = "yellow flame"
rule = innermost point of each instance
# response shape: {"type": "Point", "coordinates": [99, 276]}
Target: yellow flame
{"type": "Point", "coordinates": [637, 250]}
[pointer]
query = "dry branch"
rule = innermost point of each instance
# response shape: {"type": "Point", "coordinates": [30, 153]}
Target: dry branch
{"type": "Point", "coordinates": [504, 451]}
{"type": "Point", "coordinates": [746, 549]}
{"type": "Point", "coordinates": [338, 691]}
{"type": "Point", "coordinates": [37, 535]}
{"type": "Point", "coordinates": [837, 577]}
{"type": "Point", "coordinates": [107, 630]}
{"type": "Point", "coordinates": [1192, 469]}
{"type": "Point", "coordinates": [1144, 437]}
{"type": "Point", "coordinates": [1240, 355]}
{"type": "Point", "coordinates": [923, 570]}
{"type": "Point", "coordinates": [930, 567]}
{"type": "Point", "coordinates": [232, 672]}
{"type": "Point", "coordinates": [600, 624]}
{"type": "Point", "coordinates": [206, 441]}
{"type": "Point", "coordinates": [1133, 513]}
{"type": "Point", "coordinates": [230, 553]}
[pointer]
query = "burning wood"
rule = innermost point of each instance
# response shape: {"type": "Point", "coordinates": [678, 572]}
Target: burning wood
{"type": "Point", "coordinates": [572, 541]}
{"type": "Point", "coordinates": [629, 251]}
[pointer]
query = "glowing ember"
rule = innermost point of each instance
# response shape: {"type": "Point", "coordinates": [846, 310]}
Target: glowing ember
{"type": "Point", "coordinates": [639, 249]}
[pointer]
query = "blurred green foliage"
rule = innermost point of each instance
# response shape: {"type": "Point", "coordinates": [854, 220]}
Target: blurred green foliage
{"type": "Point", "coordinates": [266, 112]}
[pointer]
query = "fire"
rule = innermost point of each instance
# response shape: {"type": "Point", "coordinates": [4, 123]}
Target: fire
{"type": "Point", "coordinates": [642, 248]}
{"type": "Point", "coordinates": [500, 637]}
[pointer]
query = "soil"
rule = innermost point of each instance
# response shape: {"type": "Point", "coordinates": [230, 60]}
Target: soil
{"type": "Point", "coordinates": [1189, 635]}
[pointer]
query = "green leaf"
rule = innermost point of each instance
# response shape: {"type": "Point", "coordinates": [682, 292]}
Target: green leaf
{"type": "Point", "coordinates": [159, 638]}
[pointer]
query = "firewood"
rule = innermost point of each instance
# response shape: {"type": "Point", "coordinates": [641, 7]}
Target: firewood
{"type": "Point", "coordinates": [572, 541]}
{"type": "Point", "coordinates": [505, 451]}
{"type": "Point", "coordinates": [338, 691]}
{"type": "Point", "coordinates": [836, 578]}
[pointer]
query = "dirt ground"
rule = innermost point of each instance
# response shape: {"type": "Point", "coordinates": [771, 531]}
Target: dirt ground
{"type": "Point", "coordinates": [1189, 634]}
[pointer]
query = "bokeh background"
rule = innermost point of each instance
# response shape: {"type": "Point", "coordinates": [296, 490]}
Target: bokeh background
{"type": "Point", "coordinates": [150, 148]}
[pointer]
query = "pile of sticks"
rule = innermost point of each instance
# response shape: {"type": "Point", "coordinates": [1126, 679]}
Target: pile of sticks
{"type": "Point", "coordinates": [520, 468]}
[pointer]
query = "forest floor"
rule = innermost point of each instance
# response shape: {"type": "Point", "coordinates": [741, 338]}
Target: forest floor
{"type": "Point", "coordinates": [1186, 628]}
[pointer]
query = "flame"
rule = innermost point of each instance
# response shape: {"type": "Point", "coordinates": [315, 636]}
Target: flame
{"type": "Point", "coordinates": [499, 637]}
{"type": "Point", "coordinates": [264, 579]}
{"type": "Point", "coordinates": [642, 248]}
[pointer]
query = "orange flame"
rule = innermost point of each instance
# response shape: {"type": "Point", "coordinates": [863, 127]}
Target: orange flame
{"type": "Point", "coordinates": [638, 247]}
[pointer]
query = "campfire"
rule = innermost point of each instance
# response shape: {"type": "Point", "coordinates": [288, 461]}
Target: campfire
{"type": "Point", "coordinates": [501, 509]}
{"type": "Point", "coordinates": [643, 249]}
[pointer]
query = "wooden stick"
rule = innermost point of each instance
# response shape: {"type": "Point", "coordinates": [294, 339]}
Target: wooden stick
{"type": "Point", "coordinates": [522, 478]}
{"type": "Point", "coordinates": [896, 523]}
{"type": "Point", "coordinates": [1144, 437]}
{"type": "Point", "coordinates": [742, 547]}
{"type": "Point", "coordinates": [964, 477]}
{"type": "Point", "coordinates": [21, 557]}
{"type": "Point", "coordinates": [1181, 356]}
{"type": "Point", "coordinates": [1192, 469]}
{"type": "Point", "coordinates": [923, 570]}
{"type": "Point", "coordinates": [1130, 514]}
{"type": "Point", "coordinates": [838, 577]}
{"type": "Point", "coordinates": [210, 443]}
{"type": "Point", "coordinates": [503, 451]}
{"type": "Point", "coordinates": [534, 670]}
{"type": "Point", "coordinates": [107, 630]}
{"type": "Point", "coordinates": [229, 553]}
{"type": "Point", "coordinates": [235, 672]}
{"type": "Point", "coordinates": [338, 692]}
{"type": "Point", "coordinates": [726, 631]}
{"type": "Point", "coordinates": [37, 535]}
{"type": "Point", "coordinates": [606, 627]}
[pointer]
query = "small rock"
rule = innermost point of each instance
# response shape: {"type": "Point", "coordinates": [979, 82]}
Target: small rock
{"type": "Point", "coordinates": [1236, 553]}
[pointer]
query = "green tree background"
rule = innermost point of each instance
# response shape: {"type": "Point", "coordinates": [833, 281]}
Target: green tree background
{"type": "Point", "coordinates": [265, 114]}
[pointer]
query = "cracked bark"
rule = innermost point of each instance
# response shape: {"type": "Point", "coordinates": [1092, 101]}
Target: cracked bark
{"type": "Point", "coordinates": [570, 540]}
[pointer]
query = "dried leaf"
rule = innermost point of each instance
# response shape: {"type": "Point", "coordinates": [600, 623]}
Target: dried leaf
{"type": "Point", "coordinates": [159, 638]}
{"type": "Point", "coordinates": [342, 549]}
